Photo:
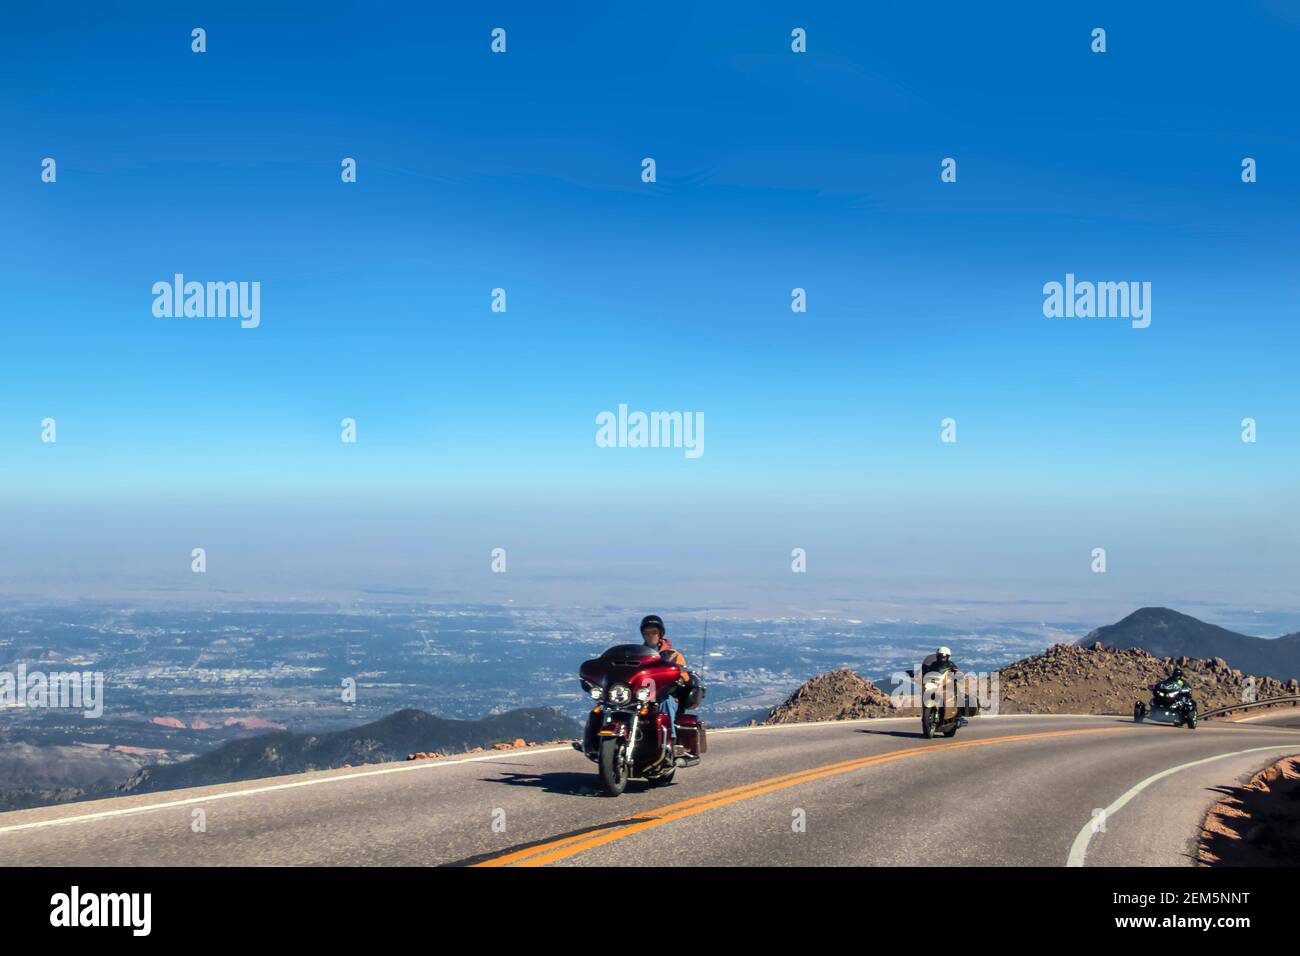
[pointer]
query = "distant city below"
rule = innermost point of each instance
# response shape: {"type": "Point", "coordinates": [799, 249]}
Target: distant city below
{"type": "Point", "coordinates": [178, 681]}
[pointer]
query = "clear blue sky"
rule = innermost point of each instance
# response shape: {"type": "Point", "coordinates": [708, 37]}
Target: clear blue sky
{"type": "Point", "coordinates": [775, 170]}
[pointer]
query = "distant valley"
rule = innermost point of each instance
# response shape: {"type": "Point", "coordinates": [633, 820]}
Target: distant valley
{"type": "Point", "coordinates": [190, 695]}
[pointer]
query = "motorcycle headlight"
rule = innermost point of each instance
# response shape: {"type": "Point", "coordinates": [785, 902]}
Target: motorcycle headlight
{"type": "Point", "coordinates": [597, 693]}
{"type": "Point", "coordinates": [643, 694]}
{"type": "Point", "coordinates": [620, 694]}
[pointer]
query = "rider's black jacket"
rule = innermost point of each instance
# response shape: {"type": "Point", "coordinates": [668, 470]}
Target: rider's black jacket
{"type": "Point", "coordinates": [931, 663]}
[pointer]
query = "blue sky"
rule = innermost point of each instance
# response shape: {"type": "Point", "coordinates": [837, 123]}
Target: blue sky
{"type": "Point", "coordinates": [775, 170]}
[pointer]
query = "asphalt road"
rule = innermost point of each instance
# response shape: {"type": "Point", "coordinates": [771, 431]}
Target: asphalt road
{"type": "Point", "coordinates": [1022, 791]}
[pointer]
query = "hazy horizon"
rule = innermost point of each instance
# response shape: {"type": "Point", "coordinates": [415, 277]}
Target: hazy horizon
{"type": "Point", "coordinates": [776, 171]}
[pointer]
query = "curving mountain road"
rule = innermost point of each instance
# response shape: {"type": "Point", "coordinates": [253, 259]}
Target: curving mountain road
{"type": "Point", "coordinates": [1008, 790]}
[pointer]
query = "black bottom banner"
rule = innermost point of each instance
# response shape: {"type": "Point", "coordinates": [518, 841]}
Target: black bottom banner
{"type": "Point", "coordinates": [339, 904]}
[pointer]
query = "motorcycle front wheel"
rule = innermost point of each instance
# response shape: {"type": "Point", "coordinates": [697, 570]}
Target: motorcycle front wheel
{"type": "Point", "coordinates": [929, 721]}
{"type": "Point", "coordinates": [610, 769]}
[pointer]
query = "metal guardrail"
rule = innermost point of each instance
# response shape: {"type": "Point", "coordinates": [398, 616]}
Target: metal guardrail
{"type": "Point", "coordinates": [1247, 705]}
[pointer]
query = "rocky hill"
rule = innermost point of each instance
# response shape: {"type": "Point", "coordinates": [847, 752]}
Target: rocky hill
{"type": "Point", "coordinates": [394, 737]}
{"type": "Point", "coordinates": [839, 695]}
{"type": "Point", "coordinates": [1167, 633]}
{"type": "Point", "coordinates": [1069, 679]}
{"type": "Point", "coordinates": [1064, 679]}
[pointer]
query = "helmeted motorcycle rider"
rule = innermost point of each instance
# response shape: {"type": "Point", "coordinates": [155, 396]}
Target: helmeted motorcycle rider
{"type": "Point", "coordinates": [653, 634]}
{"type": "Point", "coordinates": [941, 660]}
{"type": "Point", "coordinates": [1178, 684]}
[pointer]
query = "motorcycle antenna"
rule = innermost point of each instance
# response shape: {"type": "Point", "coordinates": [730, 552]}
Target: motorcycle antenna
{"type": "Point", "coordinates": [704, 654]}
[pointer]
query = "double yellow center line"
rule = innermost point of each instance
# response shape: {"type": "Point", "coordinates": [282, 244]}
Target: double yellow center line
{"type": "Point", "coordinates": [564, 847]}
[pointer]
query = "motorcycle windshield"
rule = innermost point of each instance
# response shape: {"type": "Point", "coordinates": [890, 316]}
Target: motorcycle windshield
{"type": "Point", "coordinates": [630, 655]}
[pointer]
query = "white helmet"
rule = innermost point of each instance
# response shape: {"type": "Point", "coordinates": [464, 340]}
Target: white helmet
{"type": "Point", "coordinates": [943, 653]}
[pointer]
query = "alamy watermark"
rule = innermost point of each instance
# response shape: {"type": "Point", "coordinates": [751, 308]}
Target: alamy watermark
{"type": "Point", "coordinates": [1100, 300]}
{"type": "Point", "coordinates": [65, 690]}
{"type": "Point", "coordinates": [75, 908]}
{"type": "Point", "coordinates": [973, 689]}
{"type": "Point", "coordinates": [651, 430]}
{"type": "Point", "coordinates": [208, 300]}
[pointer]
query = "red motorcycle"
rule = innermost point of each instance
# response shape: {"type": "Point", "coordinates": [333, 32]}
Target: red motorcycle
{"type": "Point", "coordinates": [627, 731]}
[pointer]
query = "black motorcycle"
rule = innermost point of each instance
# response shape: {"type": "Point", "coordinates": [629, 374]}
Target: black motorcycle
{"type": "Point", "coordinates": [1171, 703]}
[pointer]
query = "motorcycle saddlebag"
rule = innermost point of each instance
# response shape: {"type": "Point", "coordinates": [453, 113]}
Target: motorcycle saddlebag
{"type": "Point", "coordinates": [691, 735]}
{"type": "Point", "coordinates": [690, 696]}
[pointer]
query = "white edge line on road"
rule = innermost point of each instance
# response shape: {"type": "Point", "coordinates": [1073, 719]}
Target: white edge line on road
{"type": "Point", "coordinates": [413, 765]}
{"type": "Point", "coordinates": [430, 765]}
{"type": "Point", "coordinates": [1079, 849]}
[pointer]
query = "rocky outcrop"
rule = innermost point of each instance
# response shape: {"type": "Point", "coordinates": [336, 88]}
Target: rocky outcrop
{"type": "Point", "coordinates": [1069, 679]}
{"type": "Point", "coordinates": [1258, 824]}
{"type": "Point", "coordinates": [1064, 679]}
{"type": "Point", "coordinates": [839, 695]}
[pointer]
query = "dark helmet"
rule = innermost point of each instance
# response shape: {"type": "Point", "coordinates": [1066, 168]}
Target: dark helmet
{"type": "Point", "coordinates": [1177, 674]}
{"type": "Point", "coordinates": [653, 620]}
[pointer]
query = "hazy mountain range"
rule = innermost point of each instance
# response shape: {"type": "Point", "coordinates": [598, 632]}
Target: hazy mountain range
{"type": "Point", "coordinates": [1167, 633]}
